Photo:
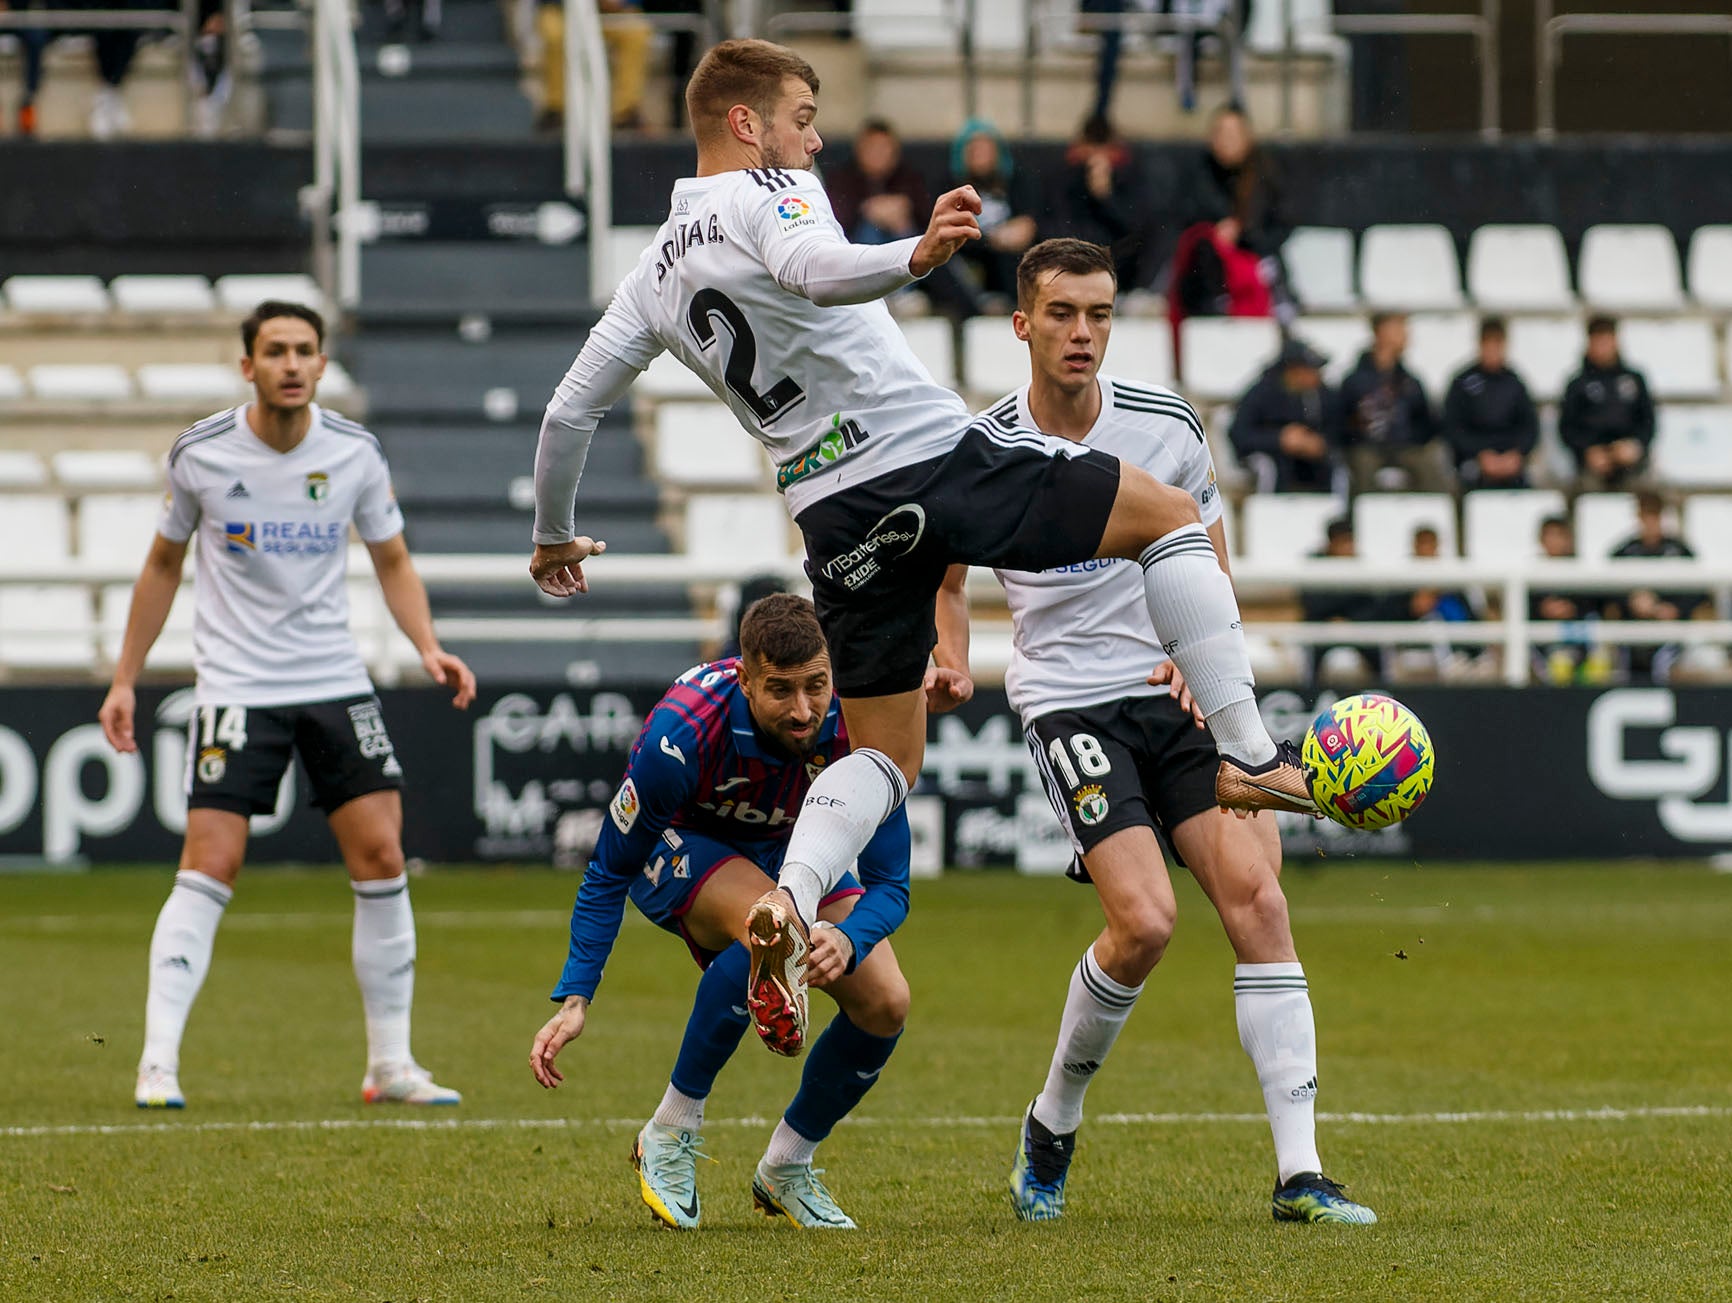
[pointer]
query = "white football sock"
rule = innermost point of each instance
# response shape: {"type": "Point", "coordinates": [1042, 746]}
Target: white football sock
{"type": "Point", "coordinates": [841, 812]}
{"type": "Point", "coordinates": [180, 951]}
{"type": "Point", "coordinates": [681, 1112]}
{"type": "Point", "coordinates": [384, 954]}
{"type": "Point", "coordinates": [1196, 616]}
{"type": "Point", "coordinates": [1278, 1032]}
{"type": "Point", "coordinates": [788, 1146]}
{"type": "Point", "coordinates": [1094, 1014]}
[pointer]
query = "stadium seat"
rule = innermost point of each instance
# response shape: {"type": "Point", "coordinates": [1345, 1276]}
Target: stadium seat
{"type": "Point", "coordinates": [1709, 267]}
{"type": "Point", "coordinates": [116, 529]}
{"type": "Point", "coordinates": [994, 360]}
{"type": "Point", "coordinates": [1692, 444]}
{"type": "Point", "coordinates": [163, 295]}
{"type": "Point", "coordinates": [1383, 523]}
{"type": "Point", "coordinates": [1438, 346]}
{"type": "Point", "coordinates": [1222, 356]}
{"type": "Point", "coordinates": [190, 382]}
{"type": "Point", "coordinates": [1409, 269]}
{"type": "Point", "coordinates": [1545, 352]}
{"type": "Point", "coordinates": [1630, 269]}
{"type": "Point", "coordinates": [172, 649]}
{"type": "Point", "coordinates": [1503, 524]}
{"type": "Point", "coordinates": [83, 382]}
{"type": "Point", "coordinates": [701, 445]}
{"type": "Point", "coordinates": [625, 245]}
{"type": "Point", "coordinates": [45, 626]}
{"type": "Point", "coordinates": [1340, 339]}
{"type": "Point", "coordinates": [668, 377]}
{"type": "Point", "coordinates": [1319, 262]}
{"type": "Point", "coordinates": [1282, 527]}
{"type": "Point", "coordinates": [747, 529]}
{"type": "Point", "coordinates": [21, 470]}
{"type": "Point", "coordinates": [1679, 357]}
{"type": "Point", "coordinates": [1141, 351]}
{"type": "Point", "coordinates": [1603, 521]}
{"type": "Point", "coordinates": [11, 385]}
{"type": "Point", "coordinates": [1519, 269]}
{"type": "Point", "coordinates": [81, 471]}
{"type": "Point", "coordinates": [241, 294]}
{"type": "Point", "coordinates": [1708, 526]}
{"type": "Point", "coordinates": [56, 294]}
{"type": "Point", "coordinates": [35, 528]}
{"type": "Point", "coordinates": [933, 340]}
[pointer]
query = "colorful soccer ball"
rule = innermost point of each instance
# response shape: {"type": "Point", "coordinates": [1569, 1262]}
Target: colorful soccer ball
{"type": "Point", "coordinates": [1370, 759]}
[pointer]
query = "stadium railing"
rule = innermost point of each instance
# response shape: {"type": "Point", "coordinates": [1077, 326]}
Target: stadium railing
{"type": "Point", "coordinates": [588, 132]}
{"type": "Point", "coordinates": [333, 201]}
{"type": "Point", "coordinates": [1548, 50]}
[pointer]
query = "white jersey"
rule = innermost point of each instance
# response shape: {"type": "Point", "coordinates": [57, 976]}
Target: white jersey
{"type": "Point", "coordinates": [752, 284]}
{"type": "Point", "coordinates": [1083, 635]}
{"type": "Point", "coordinates": [271, 601]}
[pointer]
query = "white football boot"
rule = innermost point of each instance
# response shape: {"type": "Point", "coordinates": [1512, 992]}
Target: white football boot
{"type": "Point", "coordinates": [405, 1083]}
{"type": "Point", "coordinates": [158, 1087]}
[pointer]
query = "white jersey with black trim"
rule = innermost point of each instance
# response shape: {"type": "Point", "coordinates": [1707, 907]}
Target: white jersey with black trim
{"type": "Point", "coordinates": [270, 595]}
{"type": "Point", "coordinates": [1083, 635]}
{"type": "Point", "coordinates": [753, 285]}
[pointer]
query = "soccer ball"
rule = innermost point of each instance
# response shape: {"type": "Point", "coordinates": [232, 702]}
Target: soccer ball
{"type": "Point", "coordinates": [1370, 761]}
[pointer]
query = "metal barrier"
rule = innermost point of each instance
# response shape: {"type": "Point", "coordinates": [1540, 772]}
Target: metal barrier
{"type": "Point", "coordinates": [1552, 30]}
{"type": "Point", "coordinates": [333, 201]}
{"type": "Point", "coordinates": [589, 128]}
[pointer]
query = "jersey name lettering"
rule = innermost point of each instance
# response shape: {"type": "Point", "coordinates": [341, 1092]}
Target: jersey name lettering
{"type": "Point", "coordinates": [684, 238]}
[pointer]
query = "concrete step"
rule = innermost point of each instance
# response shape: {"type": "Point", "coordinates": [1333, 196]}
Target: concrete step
{"type": "Point", "coordinates": [502, 279]}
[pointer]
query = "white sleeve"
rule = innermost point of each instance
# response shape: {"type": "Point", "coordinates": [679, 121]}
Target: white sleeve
{"type": "Point", "coordinates": [619, 347]}
{"type": "Point", "coordinates": [377, 515]}
{"type": "Point", "coordinates": [1197, 473]}
{"type": "Point", "coordinates": [805, 249]}
{"type": "Point", "coordinates": [180, 509]}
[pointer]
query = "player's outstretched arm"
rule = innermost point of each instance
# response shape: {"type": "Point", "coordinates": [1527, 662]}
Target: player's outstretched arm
{"type": "Point", "coordinates": [152, 596]}
{"type": "Point", "coordinates": [406, 597]}
{"type": "Point", "coordinates": [560, 1030]}
{"type": "Point", "coordinates": [948, 682]}
{"type": "Point", "coordinates": [954, 223]}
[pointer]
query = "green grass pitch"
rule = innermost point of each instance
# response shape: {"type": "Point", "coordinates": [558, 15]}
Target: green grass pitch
{"type": "Point", "coordinates": [1534, 997]}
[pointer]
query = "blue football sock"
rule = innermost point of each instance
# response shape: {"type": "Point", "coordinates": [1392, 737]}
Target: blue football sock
{"type": "Point", "coordinates": [719, 1018]}
{"type": "Point", "coordinates": [841, 1068]}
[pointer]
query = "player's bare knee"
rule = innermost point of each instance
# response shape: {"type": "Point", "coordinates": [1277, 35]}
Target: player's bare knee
{"type": "Point", "coordinates": [376, 861]}
{"type": "Point", "coordinates": [1258, 915]}
{"type": "Point", "coordinates": [884, 1011]}
{"type": "Point", "coordinates": [1140, 934]}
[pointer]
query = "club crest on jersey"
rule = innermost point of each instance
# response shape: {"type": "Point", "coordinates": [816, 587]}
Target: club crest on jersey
{"type": "Point", "coordinates": [213, 763]}
{"type": "Point", "coordinates": [814, 767]}
{"type": "Point", "coordinates": [794, 214]}
{"type": "Point", "coordinates": [318, 486]}
{"type": "Point", "coordinates": [1091, 804]}
{"type": "Point", "coordinates": [241, 536]}
{"type": "Point", "coordinates": [624, 807]}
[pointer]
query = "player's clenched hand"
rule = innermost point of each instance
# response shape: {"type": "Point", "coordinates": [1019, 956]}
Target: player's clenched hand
{"type": "Point", "coordinates": [116, 718]}
{"type": "Point", "coordinates": [946, 689]}
{"type": "Point", "coordinates": [449, 671]}
{"type": "Point", "coordinates": [561, 1029]}
{"type": "Point", "coordinates": [1168, 673]}
{"type": "Point", "coordinates": [830, 955]}
{"type": "Point", "coordinates": [557, 568]}
{"type": "Point", "coordinates": [953, 225]}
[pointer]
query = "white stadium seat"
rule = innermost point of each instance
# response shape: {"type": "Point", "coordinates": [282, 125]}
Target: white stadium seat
{"type": "Point", "coordinates": [933, 340]}
{"type": "Point", "coordinates": [1409, 268]}
{"type": "Point", "coordinates": [1503, 524]}
{"type": "Point", "coordinates": [45, 626]}
{"type": "Point", "coordinates": [165, 295]}
{"type": "Point", "coordinates": [172, 649]}
{"type": "Point", "coordinates": [625, 245]}
{"type": "Point", "coordinates": [1383, 523]}
{"type": "Point", "coordinates": [668, 377]}
{"type": "Point", "coordinates": [1141, 351]}
{"type": "Point", "coordinates": [81, 471]}
{"type": "Point", "coordinates": [1438, 346]}
{"type": "Point", "coordinates": [1222, 356]}
{"type": "Point", "coordinates": [1693, 445]}
{"type": "Point", "coordinates": [241, 294]}
{"type": "Point", "coordinates": [1708, 526]}
{"type": "Point", "coordinates": [1545, 352]}
{"type": "Point", "coordinates": [35, 528]}
{"type": "Point", "coordinates": [210, 382]}
{"type": "Point", "coordinates": [1710, 267]}
{"type": "Point", "coordinates": [1603, 521]}
{"type": "Point", "coordinates": [1630, 269]}
{"type": "Point", "coordinates": [21, 470]}
{"type": "Point", "coordinates": [1340, 339]}
{"type": "Point", "coordinates": [82, 382]}
{"type": "Point", "coordinates": [1519, 269]}
{"type": "Point", "coordinates": [745, 529]}
{"type": "Point", "coordinates": [701, 445]}
{"type": "Point", "coordinates": [11, 384]}
{"type": "Point", "coordinates": [1679, 357]}
{"type": "Point", "coordinates": [1282, 527]}
{"type": "Point", "coordinates": [117, 528]}
{"type": "Point", "coordinates": [56, 294]}
{"type": "Point", "coordinates": [994, 360]}
{"type": "Point", "coordinates": [1319, 262]}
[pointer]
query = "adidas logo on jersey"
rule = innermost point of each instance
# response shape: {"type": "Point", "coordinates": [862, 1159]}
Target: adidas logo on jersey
{"type": "Point", "coordinates": [238, 490]}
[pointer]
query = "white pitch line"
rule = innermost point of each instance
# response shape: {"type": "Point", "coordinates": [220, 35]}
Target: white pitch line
{"type": "Point", "coordinates": [927, 1123]}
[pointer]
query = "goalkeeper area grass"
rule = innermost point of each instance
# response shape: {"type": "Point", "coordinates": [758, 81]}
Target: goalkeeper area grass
{"type": "Point", "coordinates": [1526, 1071]}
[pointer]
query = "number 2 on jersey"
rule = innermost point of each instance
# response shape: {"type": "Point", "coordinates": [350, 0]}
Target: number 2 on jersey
{"type": "Point", "coordinates": [742, 358]}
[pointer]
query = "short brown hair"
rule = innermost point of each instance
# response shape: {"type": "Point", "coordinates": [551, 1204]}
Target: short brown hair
{"type": "Point", "coordinates": [749, 72]}
{"type": "Point", "coordinates": [272, 308]}
{"type": "Point", "coordinates": [1077, 257]}
{"type": "Point", "coordinates": [781, 630]}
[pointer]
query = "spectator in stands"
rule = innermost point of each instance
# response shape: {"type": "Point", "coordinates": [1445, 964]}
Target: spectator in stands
{"type": "Point", "coordinates": [1489, 418]}
{"type": "Point", "coordinates": [428, 15]}
{"type": "Point", "coordinates": [682, 51]}
{"type": "Point", "coordinates": [1577, 659]}
{"type": "Point", "coordinates": [1652, 540]}
{"type": "Point", "coordinates": [33, 43]}
{"type": "Point", "coordinates": [1435, 606]}
{"type": "Point", "coordinates": [1607, 417]}
{"type": "Point", "coordinates": [628, 51]}
{"type": "Point", "coordinates": [1391, 438]}
{"type": "Point", "coordinates": [1104, 199]}
{"type": "Point", "coordinates": [1287, 429]}
{"type": "Point", "coordinates": [1107, 62]}
{"type": "Point", "coordinates": [1343, 664]}
{"type": "Point", "coordinates": [979, 157]}
{"type": "Point", "coordinates": [1229, 258]}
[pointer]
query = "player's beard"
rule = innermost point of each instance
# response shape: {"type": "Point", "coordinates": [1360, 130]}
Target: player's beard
{"type": "Point", "coordinates": [774, 157]}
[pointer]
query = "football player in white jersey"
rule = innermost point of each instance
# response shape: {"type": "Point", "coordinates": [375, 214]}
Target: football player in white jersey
{"type": "Point", "coordinates": [752, 284]}
{"type": "Point", "coordinates": [1123, 756]}
{"type": "Point", "coordinates": [271, 488]}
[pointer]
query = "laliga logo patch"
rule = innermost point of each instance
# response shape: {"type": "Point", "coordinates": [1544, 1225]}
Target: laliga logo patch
{"type": "Point", "coordinates": [1091, 804]}
{"type": "Point", "coordinates": [794, 214]}
{"type": "Point", "coordinates": [318, 486]}
{"type": "Point", "coordinates": [624, 807]}
{"type": "Point", "coordinates": [213, 763]}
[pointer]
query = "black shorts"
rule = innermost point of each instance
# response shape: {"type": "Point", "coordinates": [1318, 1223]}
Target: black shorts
{"type": "Point", "coordinates": [236, 755]}
{"type": "Point", "coordinates": [876, 553]}
{"type": "Point", "coordinates": [1137, 763]}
